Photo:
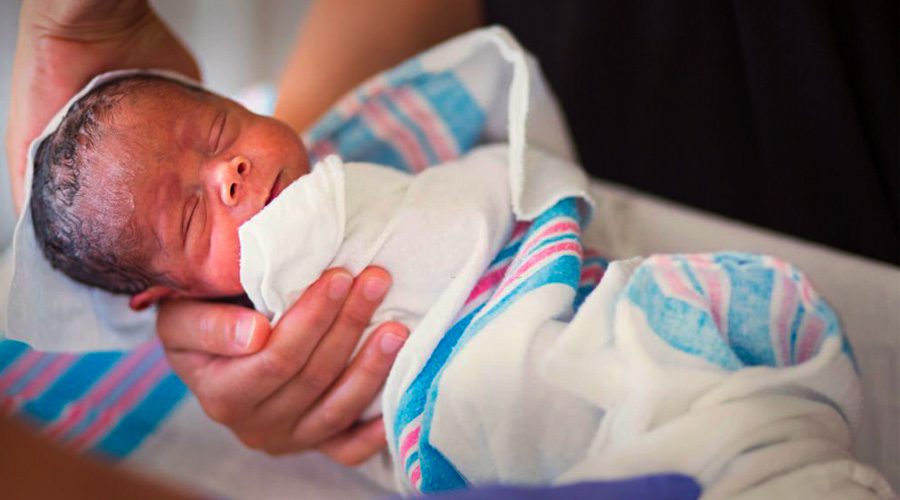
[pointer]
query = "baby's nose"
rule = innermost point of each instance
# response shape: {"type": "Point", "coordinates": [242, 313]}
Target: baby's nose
{"type": "Point", "coordinates": [232, 175]}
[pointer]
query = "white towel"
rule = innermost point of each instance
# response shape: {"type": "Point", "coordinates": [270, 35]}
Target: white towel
{"type": "Point", "coordinates": [435, 232]}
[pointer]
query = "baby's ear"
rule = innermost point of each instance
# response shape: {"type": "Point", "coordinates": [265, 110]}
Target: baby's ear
{"type": "Point", "coordinates": [150, 296]}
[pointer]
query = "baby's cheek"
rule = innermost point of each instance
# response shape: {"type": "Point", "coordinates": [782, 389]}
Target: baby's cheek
{"type": "Point", "coordinates": [223, 266]}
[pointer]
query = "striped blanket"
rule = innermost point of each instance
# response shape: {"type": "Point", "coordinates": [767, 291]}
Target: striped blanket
{"type": "Point", "coordinates": [726, 367]}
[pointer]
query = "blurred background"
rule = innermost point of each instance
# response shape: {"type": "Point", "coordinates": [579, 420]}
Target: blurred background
{"type": "Point", "coordinates": [235, 42]}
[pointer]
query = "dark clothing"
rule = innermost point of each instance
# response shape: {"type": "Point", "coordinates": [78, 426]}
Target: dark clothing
{"type": "Point", "coordinates": [779, 113]}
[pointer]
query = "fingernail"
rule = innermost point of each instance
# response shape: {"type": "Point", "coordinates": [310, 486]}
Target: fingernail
{"type": "Point", "coordinates": [374, 289]}
{"type": "Point", "coordinates": [391, 343]}
{"type": "Point", "coordinates": [244, 331]}
{"type": "Point", "coordinates": [339, 286]}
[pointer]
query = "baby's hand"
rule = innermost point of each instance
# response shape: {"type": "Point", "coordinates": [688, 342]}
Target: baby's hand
{"type": "Point", "coordinates": [61, 45]}
{"type": "Point", "coordinates": [290, 389]}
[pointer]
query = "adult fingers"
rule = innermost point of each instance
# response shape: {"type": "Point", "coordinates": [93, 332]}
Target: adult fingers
{"type": "Point", "coordinates": [333, 352]}
{"type": "Point", "coordinates": [357, 387]}
{"type": "Point", "coordinates": [327, 363]}
{"type": "Point", "coordinates": [356, 445]}
{"type": "Point", "coordinates": [231, 389]}
{"type": "Point", "coordinates": [212, 328]}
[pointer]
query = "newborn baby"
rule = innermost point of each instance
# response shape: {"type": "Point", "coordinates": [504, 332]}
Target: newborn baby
{"type": "Point", "coordinates": [143, 186]}
{"type": "Point", "coordinates": [156, 189]}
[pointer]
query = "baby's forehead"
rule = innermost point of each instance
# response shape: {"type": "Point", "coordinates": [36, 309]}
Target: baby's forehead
{"type": "Point", "coordinates": [151, 122]}
{"type": "Point", "coordinates": [161, 99]}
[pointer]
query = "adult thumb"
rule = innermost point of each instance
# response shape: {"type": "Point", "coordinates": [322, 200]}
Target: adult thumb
{"type": "Point", "coordinates": [212, 328]}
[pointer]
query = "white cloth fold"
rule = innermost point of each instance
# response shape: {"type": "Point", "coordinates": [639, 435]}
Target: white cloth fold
{"type": "Point", "coordinates": [424, 229]}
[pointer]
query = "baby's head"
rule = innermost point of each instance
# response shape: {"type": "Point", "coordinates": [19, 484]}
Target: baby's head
{"type": "Point", "coordinates": [142, 188]}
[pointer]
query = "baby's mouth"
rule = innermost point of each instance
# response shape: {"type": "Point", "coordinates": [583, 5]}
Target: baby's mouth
{"type": "Point", "coordinates": [275, 190]}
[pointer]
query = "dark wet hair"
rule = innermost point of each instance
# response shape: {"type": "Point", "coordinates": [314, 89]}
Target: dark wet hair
{"type": "Point", "coordinates": [108, 254]}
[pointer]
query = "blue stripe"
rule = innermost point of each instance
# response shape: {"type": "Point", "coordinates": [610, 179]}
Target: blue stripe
{"type": "Point", "coordinates": [795, 329]}
{"type": "Point", "coordinates": [507, 252]}
{"type": "Point", "coordinates": [411, 460]}
{"type": "Point", "coordinates": [325, 127]}
{"type": "Point", "coordinates": [73, 384]}
{"type": "Point", "coordinates": [451, 101]}
{"type": "Point", "coordinates": [438, 473]}
{"type": "Point", "coordinates": [133, 376]}
{"type": "Point", "coordinates": [413, 400]}
{"type": "Point", "coordinates": [749, 312]}
{"type": "Point", "coordinates": [681, 325]}
{"type": "Point", "coordinates": [688, 271]}
{"type": "Point", "coordinates": [596, 260]}
{"type": "Point", "coordinates": [10, 350]}
{"type": "Point", "coordinates": [355, 141]}
{"type": "Point", "coordinates": [403, 73]}
{"type": "Point", "coordinates": [580, 296]}
{"type": "Point", "coordinates": [144, 419]}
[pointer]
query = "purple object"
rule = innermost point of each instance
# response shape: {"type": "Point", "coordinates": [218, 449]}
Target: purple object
{"type": "Point", "coordinates": [665, 486]}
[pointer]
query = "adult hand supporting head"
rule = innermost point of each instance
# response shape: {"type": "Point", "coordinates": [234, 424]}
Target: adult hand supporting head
{"type": "Point", "coordinates": [290, 389]}
{"type": "Point", "coordinates": [61, 45]}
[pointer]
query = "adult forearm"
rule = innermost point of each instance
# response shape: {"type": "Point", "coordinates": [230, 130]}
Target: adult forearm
{"type": "Point", "coordinates": [32, 467]}
{"type": "Point", "coordinates": [342, 42]}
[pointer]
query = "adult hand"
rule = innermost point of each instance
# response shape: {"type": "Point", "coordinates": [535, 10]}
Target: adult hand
{"type": "Point", "coordinates": [291, 388]}
{"type": "Point", "coordinates": [61, 45]}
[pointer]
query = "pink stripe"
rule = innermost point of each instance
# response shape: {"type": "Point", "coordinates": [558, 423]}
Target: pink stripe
{"type": "Point", "coordinates": [414, 475]}
{"type": "Point", "coordinates": [433, 128]}
{"type": "Point", "coordinates": [114, 413]}
{"type": "Point", "coordinates": [545, 232]}
{"type": "Point", "coordinates": [711, 281]}
{"type": "Point", "coordinates": [78, 409]}
{"type": "Point", "coordinates": [592, 252]}
{"type": "Point", "coordinates": [48, 376]}
{"type": "Point", "coordinates": [592, 274]}
{"type": "Point", "coordinates": [411, 439]}
{"type": "Point", "coordinates": [787, 309]}
{"type": "Point", "coordinates": [486, 283]}
{"type": "Point", "coordinates": [21, 367]}
{"type": "Point", "coordinates": [812, 329]}
{"type": "Point", "coordinates": [572, 246]}
{"type": "Point", "coordinates": [520, 229]}
{"type": "Point", "coordinates": [673, 281]}
{"type": "Point", "coordinates": [38, 384]}
{"type": "Point", "coordinates": [387, 127]}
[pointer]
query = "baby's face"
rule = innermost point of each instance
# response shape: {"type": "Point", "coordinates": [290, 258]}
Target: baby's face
{"type": "Point", "coordinates": [203, 166]}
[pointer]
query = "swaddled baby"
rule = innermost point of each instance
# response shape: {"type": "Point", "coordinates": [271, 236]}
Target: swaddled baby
{"type": "Point", "coordinates": [144, 186]}
{"type": "Point", "coordinates": [727, 367]}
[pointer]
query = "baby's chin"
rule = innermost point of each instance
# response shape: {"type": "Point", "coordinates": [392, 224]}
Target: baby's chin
{"type": "Point", "coordinates": [224, 285]}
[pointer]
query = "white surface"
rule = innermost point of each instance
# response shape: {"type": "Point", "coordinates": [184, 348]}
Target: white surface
{"type": "Point", "coordinates": [180, 452]}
